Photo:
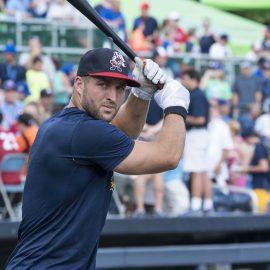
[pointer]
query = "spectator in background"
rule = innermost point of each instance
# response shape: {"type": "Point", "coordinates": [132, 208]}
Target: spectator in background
{"type": "Point", "coordinates": [220, 144]}
{"type": "Point", "coordinates": [118, 15]}
{"type": "Point", "coordinates": [192, 44]}
{"type": "Point", "coordinates": [39, 8]}
{"type": "Point", "coordinates": [255, 52]}
{"type": "Point", "coordinates": [8, 144]}
{"type": "Point", "coordinates": [18, 8]}
{"type": "Point", "coordinates": [262, 125]}
{"type": "Point", "coordinates": [225, 110]}
{"type": "Point", "coordinates": [2, 8]}
{"type": "Point", "coordinates": [214, 84]}
{"type": "Point", "coordinates": [160, 56]}
{"type": "Point", "coordinates": [61, 86]}
{"type": "Point", "coordinates": [266, 85]}
{"type": "Point", "coordinates": [237, 156]}
{"type": "Point", "coordinates": [208, 38]}
{"type": "Point", "coordinates": [35, 49]}
{"type": "Point", "coordinates": [258, 73]}
{"type": "Point", "coordinates": [176, 194]}
{"type": "Point", "coordinates": [247, 119]}
{"type": "Point", "coordinates": [36, 80]}
{"type": "Point", "coordinates": [46, 105]}
{"type": "Point", "coordinates": [173, 32]}
{"type": "Point", "coordinates": [220, 50]}
{"type": "Point", "coordinates": [138, 42]}
{"type": "Point", "coordinates": [109, 10]}
{"type": "Point", "coordinates": [23, 90]}
{"type": "Point", "coordinates": [266, 42]}
{"type": "Point", "coordinates": [61, 10]}
{"type": "Point", "coordinates": [32, 108]}
{"type": "Point", "coordinates": [258, 169]}
{"type": "Point", "coordinates": [197, 140]}
{"type": "Point", "coordinates": [10, 69]}
{"type": "Point", "coordinates": [150, 29]}
{"type": "Point", "coordinates": [11, 107]}
{"type": "Point", "coordinates": [27, 133]}
{"type": "Point", "coordinates": [247, 88]}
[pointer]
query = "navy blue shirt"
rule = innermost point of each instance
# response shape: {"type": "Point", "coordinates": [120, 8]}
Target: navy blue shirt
{"type": "Point", "coordinates": [67, 193]}
{"type": "Point", "coordinates": [198, 107]}
{"type": "Point", "coordinates": [150, 23]}
{"type": "Point", "coordinates": [259, 180]}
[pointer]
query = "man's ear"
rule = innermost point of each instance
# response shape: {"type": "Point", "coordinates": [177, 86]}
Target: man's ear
{"type": "Point", "coordinates": [79, 85]}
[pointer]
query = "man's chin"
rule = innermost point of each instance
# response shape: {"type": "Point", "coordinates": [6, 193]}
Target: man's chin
{"type": "Point", "coordinates": [107, 117]}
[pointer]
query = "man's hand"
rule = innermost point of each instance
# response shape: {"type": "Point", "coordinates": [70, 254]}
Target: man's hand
{"type": "Point", "coordinates": [173, 94]}
{"type": "Point", "coordinates": [149, 75]}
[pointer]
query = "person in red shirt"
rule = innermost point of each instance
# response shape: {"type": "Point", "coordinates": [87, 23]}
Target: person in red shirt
{"type": "Point", "coordinates": [8, 145]}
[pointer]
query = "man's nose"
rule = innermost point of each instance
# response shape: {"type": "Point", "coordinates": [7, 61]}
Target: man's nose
{"type": "Point", "coordinates": [111, 94]}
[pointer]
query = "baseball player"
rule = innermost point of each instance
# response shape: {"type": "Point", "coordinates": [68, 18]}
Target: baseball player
{"type": "Point", "coordinates": [69, 180]}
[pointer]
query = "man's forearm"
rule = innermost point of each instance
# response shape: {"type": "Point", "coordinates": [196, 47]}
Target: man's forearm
{"type": "Point", "coordinates": [131, 116]}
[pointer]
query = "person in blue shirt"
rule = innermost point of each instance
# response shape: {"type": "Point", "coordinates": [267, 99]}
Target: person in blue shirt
{"type": "Point", "coordinates": [197, 140]}
{"type": "Point", "coordinates": [69, 180]}
{"type": "Point", "coordinates": [258, 168]}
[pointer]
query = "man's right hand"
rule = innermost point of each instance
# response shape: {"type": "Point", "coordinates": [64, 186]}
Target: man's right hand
{"type": "Point", "coordinates": [173, 94]}
{"type": "Point", "coordinates": [149, 75]}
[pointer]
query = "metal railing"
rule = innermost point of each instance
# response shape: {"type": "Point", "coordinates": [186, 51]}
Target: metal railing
{"type": "Point", "coordinates": [70, 40]}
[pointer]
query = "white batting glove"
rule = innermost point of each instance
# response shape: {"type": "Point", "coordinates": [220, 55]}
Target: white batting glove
{"type": "Point", "coordinates": [149, 75]}
{"type": "Point", "coordinates": [173, 94]}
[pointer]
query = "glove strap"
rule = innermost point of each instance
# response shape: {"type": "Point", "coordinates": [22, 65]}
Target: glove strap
{"type": "Point", "coordinates": [141, 94]}
{"type": "Point", "coordinates": [176, 110]}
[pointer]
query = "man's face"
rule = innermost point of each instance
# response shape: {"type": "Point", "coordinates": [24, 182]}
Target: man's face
{"type": "Point", "coordinates": [101, 97]}
{"type": "Point", "coordinates": [11, 96]}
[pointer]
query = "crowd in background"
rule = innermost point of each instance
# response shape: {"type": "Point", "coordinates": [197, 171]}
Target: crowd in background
{"type": "Point", "coordinates": [228, 126]}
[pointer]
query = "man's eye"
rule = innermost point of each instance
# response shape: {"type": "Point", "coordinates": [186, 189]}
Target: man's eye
{"type": "Point", "coordinates": [121, 88]}
{"type": "Point", "coordinates": [102, 84]}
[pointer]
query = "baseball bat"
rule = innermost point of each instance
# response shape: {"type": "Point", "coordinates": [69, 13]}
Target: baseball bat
{"type": "Point", "coordinates": [90, 13]}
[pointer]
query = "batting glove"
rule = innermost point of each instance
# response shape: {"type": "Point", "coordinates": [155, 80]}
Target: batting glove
{"type": "Point", "coordinates": [173, 98]}
{"type": "Point", "coordinates": [149, 75]}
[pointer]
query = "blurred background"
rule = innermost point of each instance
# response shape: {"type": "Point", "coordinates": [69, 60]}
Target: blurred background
{"type": "Point", "coordinates": [211, 212]}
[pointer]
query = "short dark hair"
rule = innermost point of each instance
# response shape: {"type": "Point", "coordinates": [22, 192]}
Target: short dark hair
{"type": "Point", "coordinates": [26, 119]}
{"type": "Point", "coordinates": [192, 73]}
{"type": "Point", "coordinates": [36, 59]}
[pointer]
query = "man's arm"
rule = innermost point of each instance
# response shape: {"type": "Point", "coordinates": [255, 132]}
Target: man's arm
{"type": "Point", "coordinates": [165, 151]}
{"type": "Point", "coordinates": [159, 155]}
{"type": "Point", "coordinates": [131, 116]}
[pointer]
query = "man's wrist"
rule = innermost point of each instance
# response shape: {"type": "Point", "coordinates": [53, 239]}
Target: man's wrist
{"type": "Point", "coordinates": [141, 94]}
{"type": "Point", "coordinates": [176, 110]}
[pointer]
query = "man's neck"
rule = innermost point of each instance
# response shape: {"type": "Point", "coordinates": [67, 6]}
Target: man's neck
{"type": "Point", "coordinates": [74, 102]}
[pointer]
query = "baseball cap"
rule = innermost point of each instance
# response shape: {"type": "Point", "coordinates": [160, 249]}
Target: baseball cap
{"type": "Point", "coordinates": [10, 48]}
{"type": "Point", "coordinates": [46, 93]}
{"type": "Point", "coordinates": [9, 85]}
{"type": "Point", "coordinates": [245, 64]}
{"type": "Point", "coordinates": [215, 65]}
{"type": "Point", "coordinates": [173, 16]}
{"type": "Point", "coordinates": [222, 102]}
{"type": "Point", "coordinates": [105, 62]}
{"type": "Point", "coordinates": [145, 6]}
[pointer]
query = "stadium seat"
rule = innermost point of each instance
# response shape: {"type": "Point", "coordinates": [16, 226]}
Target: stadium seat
{"type": "Point", "coordinates": [11, 181]}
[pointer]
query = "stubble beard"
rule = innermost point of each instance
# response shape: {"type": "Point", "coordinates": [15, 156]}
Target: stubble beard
{"type": "Point", "coordinates": [90, 107]}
